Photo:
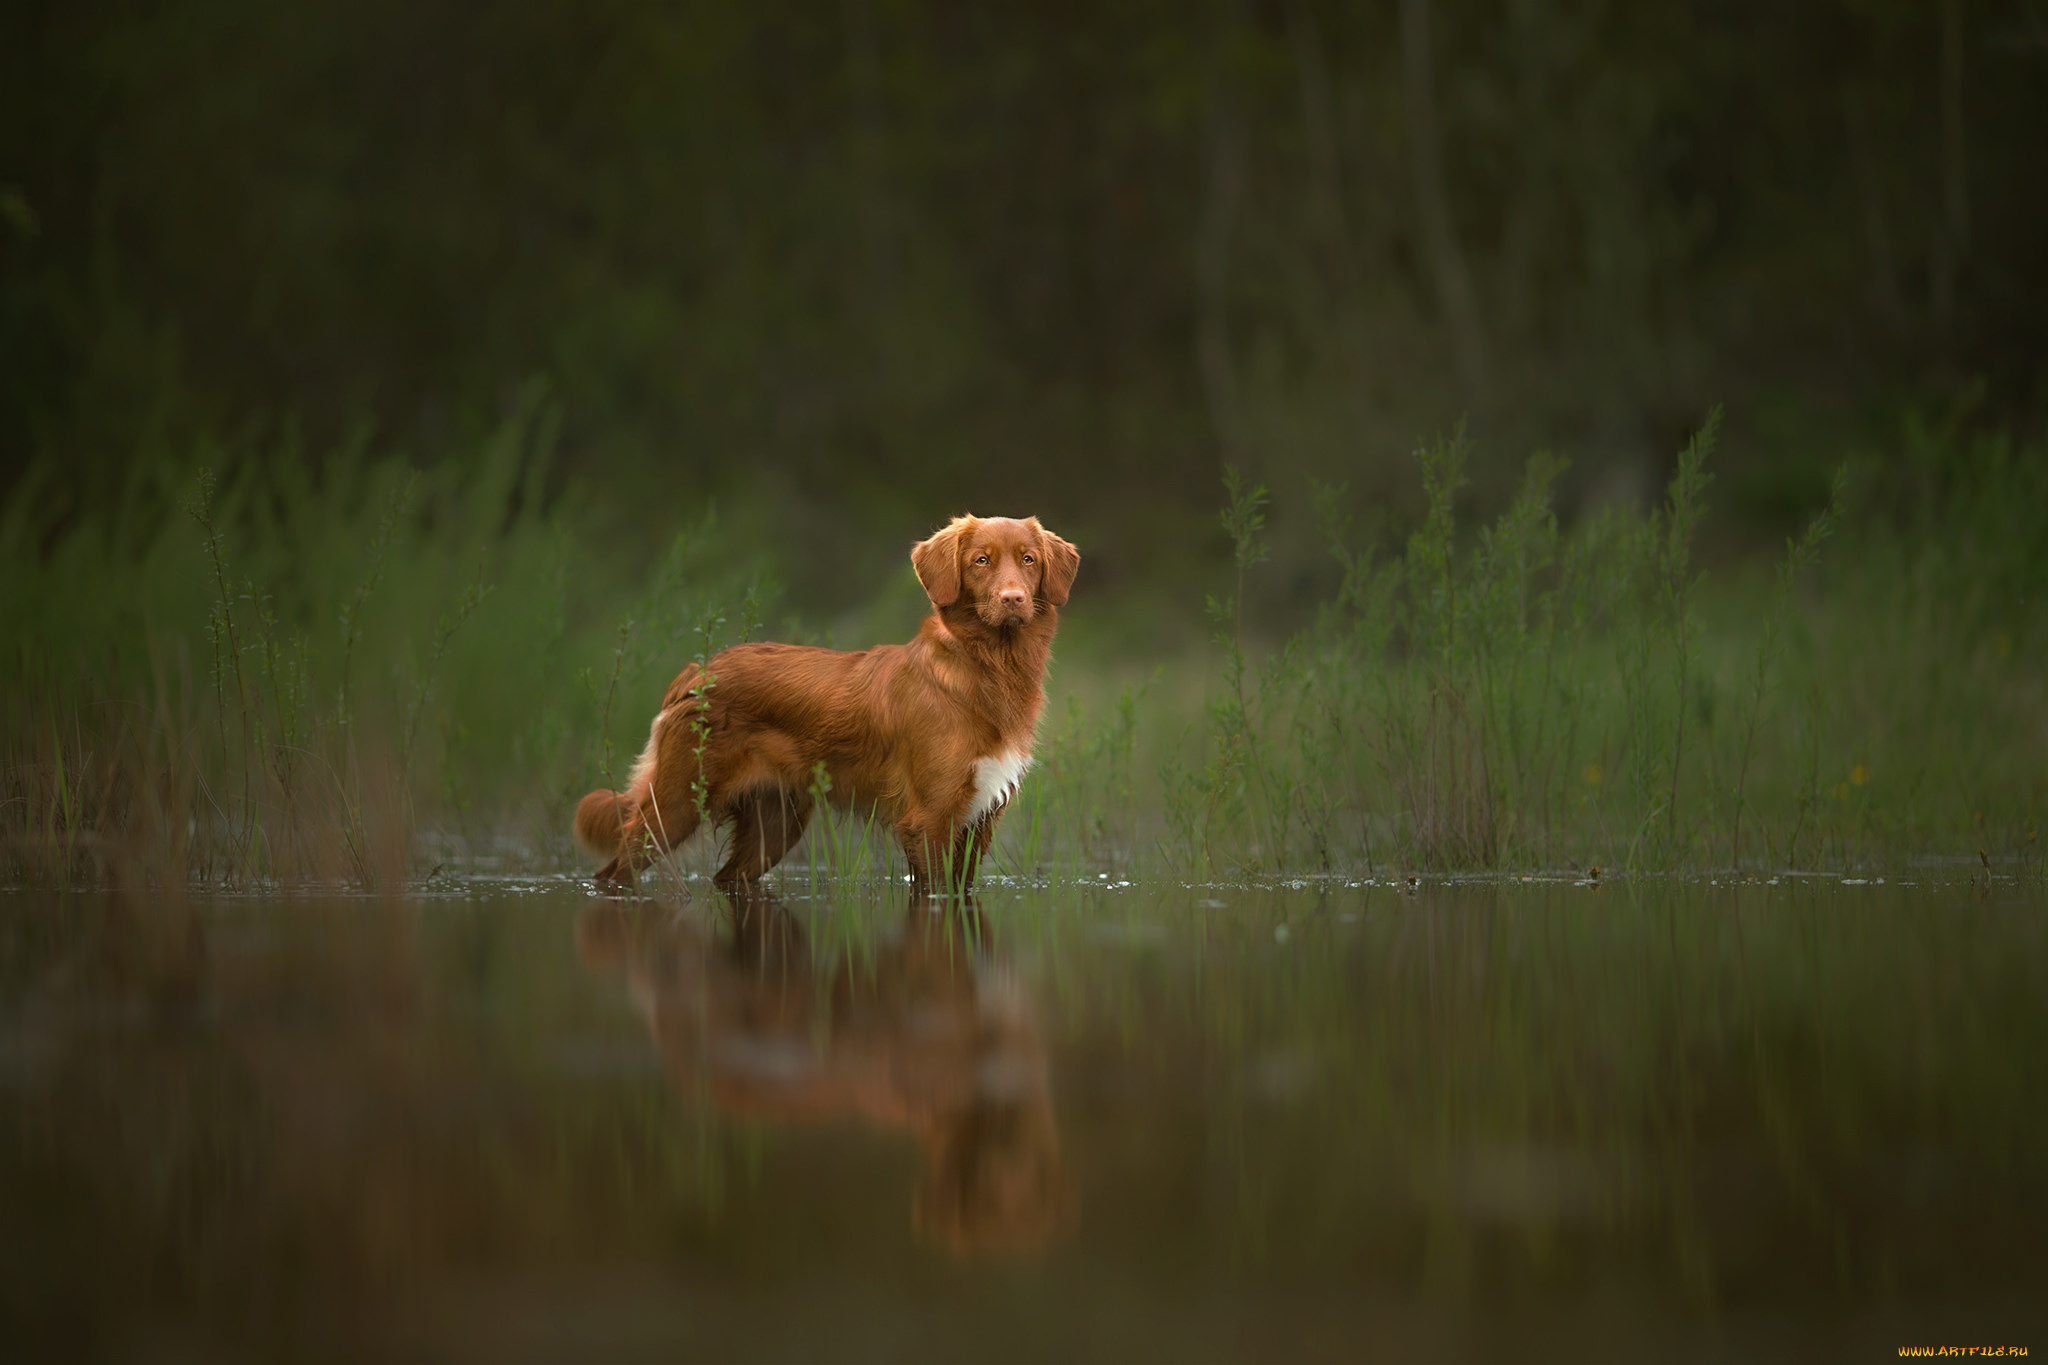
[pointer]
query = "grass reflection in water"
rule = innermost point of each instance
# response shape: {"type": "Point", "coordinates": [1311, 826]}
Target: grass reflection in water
{"type": "Point", "coordinates": [1496, 1118]}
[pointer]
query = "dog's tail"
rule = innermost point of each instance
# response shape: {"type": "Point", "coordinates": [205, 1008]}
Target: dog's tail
{"type": "Point", "coordinates": [602, 816]}
{"type": "Point", "coordinates": [600, 820]}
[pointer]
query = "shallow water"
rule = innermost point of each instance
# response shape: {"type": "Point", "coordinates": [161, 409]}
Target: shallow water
{"type": "Point", "coordinates": [506, 1120]}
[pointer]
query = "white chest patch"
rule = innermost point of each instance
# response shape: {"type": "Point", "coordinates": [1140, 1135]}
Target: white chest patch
{"type": "Point", "coordinates": [996, 779]}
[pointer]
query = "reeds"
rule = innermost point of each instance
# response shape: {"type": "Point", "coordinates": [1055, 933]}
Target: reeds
{"type": "Point", "coordinates": [1523, 694]}
{"type": "Point", "coordinates": [282, 683]}
{"type": "Point", "coordinates": [269, 681]}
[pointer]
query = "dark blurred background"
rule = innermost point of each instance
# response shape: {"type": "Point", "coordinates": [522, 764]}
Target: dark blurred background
{"type": "Point", "coordinates": [863, 264]}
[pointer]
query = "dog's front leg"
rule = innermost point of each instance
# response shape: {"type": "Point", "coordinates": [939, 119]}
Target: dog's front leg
{"type": "Point", "coordinates": [970, 846]}
{"type": "Point", "coordinates": [927, 847]}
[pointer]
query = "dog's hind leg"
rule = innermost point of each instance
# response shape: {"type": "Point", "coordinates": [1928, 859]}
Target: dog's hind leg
{"type": "Point", "coordinates": [657, 811]}
{"type": "Point", "coordinates": [766, 825]}
{"type": "Point", "coordinates": [654, 827]}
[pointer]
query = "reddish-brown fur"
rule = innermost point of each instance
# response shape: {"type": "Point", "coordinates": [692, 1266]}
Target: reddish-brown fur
{"type": "Point", "coordinates": [899, 728]}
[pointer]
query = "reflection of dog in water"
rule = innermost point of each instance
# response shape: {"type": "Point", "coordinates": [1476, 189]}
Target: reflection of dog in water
{"type": "Point", "coordinates": [932, 1036]}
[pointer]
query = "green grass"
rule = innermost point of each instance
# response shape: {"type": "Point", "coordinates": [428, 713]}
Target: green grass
{"type": "Point", "coordinates": [257, 676]}
{"type": "Point", "coordinates": [1520, 694]}
{"type": "Point", "coordinates": [260, 675]}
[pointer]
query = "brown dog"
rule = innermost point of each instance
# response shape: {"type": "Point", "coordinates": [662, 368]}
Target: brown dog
{"type": "Point", "coordinates": [933, 736]}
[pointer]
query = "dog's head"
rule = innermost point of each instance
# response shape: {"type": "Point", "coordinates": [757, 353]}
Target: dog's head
{"type": "Point", "coordinates": [1008, 570]}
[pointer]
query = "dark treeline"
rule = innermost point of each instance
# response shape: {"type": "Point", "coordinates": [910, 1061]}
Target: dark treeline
{"type": "Point", "coordinates": [912, 257]}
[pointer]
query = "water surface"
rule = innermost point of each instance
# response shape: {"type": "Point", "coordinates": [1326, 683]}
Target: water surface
{"type": "Point", "coordinates": [503, 1119]}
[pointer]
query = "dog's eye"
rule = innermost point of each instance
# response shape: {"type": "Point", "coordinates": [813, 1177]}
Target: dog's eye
{"type": "Point", "coordinates": [981, 559]}
{"type": "Point", "coordinates": [1029, 560]}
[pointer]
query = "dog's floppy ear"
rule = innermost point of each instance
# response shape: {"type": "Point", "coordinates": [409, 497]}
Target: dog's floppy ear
{"type": "Point", "coordinates": [937, 562]}
{"type": "Point", "coordinates": [1062, 562]}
